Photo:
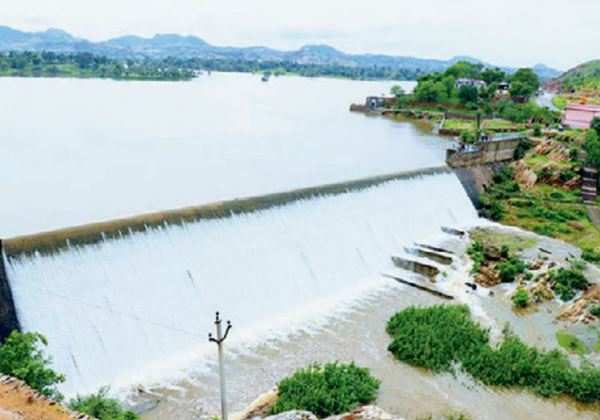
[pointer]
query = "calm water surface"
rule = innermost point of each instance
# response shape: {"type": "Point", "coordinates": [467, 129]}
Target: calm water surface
{"type": "Point", "coordinates": [78, 151]}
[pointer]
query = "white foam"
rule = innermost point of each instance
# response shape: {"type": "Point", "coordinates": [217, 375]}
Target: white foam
{"type": "Point", "coordinates": [137, 309]}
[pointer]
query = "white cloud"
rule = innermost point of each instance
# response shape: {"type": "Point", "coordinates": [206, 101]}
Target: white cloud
{"type": "Point", "coordinates": [511, 32]}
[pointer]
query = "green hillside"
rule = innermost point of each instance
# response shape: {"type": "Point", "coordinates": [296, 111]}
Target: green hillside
{"type": "Point", "coordinates": [579, 85]}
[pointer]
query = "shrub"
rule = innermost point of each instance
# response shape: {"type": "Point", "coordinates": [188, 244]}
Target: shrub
{"type": "Point", "coordinates": [101, 407]}
{"type": "Point", "coordinates": [591, 255]}
{"type": "Point", "coordinates": [510, 269]}
{"type": "Point", "coordinates": [505, 174]}
{"type": "Point", "coordinates": [21, 356]}
{"type": "Point", "coordinates": [565, 282]}
{"type": "Point", "coordinates": [477, 254]}
{"type": "Point", "coordinates": [496, 211]}
{"type": "Point", "coordinates": [442, 337]}
{"type": "Point", "coordinates": [327, 390]}
{"type": "Point", "coordinates": [595, 311]}
{"type": "Point", "coordinates": [521, 298]}
{"type": "Point", "coordinates": [537, 130]}
{"type": "Point", "coordinates": [435, 337]}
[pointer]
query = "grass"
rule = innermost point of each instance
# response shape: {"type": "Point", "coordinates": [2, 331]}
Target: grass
{"type": "Point", "coordinates": [501, 125]}
{"type": "Point", "coordinates": [459, 125]}
{"type": "Point", "coordinates": [444, 338]}
{"type": "Point", "coordinates": [491, 237]}
{"type": "Point", "coordinates": [571, 343]}
{"type": "Point", "coordinates": [560, 101]}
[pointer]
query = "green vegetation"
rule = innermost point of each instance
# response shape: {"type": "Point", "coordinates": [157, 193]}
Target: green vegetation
{"type": "Point", "coordinates": [521, 298]}
{"type": "Point", "coordinates": [595, 310]}
{"type": "Point", "coordinates": [510, 269]}
{"type": "Point", "coordinates": [440, 337]}
{"type": "Point", "coordinates": [327, 390]}
{"type": "Point", "coordinates": [566, 282]}
{"type": "Point", "coordinates": [445, 91]}
{"type": "Point", "coordinates": [476, 252]}
{"type": "Point", "coordinates": [86, 65]}
{"type": "Point", "coordinates": [581, 84]}
{"type": "Point", "coordinates": [21, 356]}
{"type": "Point", "coordinates": [514, 243]}
{"type": "Point", "coordinates": [102, 407]}
{"type": "Point", "coordinates": [571, 343]}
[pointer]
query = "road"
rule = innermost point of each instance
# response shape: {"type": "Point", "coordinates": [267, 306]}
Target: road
{"type": "Point", "coordinates": [545, 100]}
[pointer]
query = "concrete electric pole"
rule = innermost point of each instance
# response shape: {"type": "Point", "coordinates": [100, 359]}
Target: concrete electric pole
{"type": "Point", "coordinates": [219, 341]}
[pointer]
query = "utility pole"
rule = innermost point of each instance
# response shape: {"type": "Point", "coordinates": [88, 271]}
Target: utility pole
{"type": "Point", "coordinates": [219, 341]}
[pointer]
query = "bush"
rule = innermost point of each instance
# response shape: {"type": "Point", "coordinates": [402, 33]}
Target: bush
{"type": "Point", "coordinates": [441, 337]}
{"type": "Point", "coordinates": [565, 282]}
{"type": "Point", "coordinates": [477, 254]}
{"type": "Point", "coordinates": [327, 390]}
{"type": "Point", "coordinates": [101, 407]}
{"type": "Point", "coordinates": [435, 337]}
{"type": "Point", "coordinates": [595, 311]}
{"type": "Point", "coordinates": [537, 130]}
{"type": "Point", "coordinates": [591, 255]}
{"type": "Point", "coordinates": [21, 356]}
{"type": "Point", "coordinates": [510, 269]}
{"type": "Point", "coordinates": [521, 298]}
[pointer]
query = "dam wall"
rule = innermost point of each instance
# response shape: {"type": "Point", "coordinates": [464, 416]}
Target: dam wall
{"type": "Point", "coordinates": [53, 241]}
{"type": "Point", "coordinates": [131, 309]}
{"type": "Point", "coordinates": [8, 313]}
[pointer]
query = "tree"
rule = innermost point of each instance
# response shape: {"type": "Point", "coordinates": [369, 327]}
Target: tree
{"type": "Point", "coordinates": [397, 91]}
{"type": "Point", "coordinates": [464, 69]}
{"type": "Point", "coordinates": [22, 357]}
{"type": "Point", "coordinates": [592, 148]}
{"type": "Point", "coordinates": [468, 94]}
{"type": "Point", "coordinates": [596, 125]}
{"type": "Point", "coordinates": [524, 83]}
{"type": "Point", "coordinates": [430, 91]}
{"type": "Point", "coordinates": [491, 75]}
{"type": "Point", "coordinates": [521, 298]}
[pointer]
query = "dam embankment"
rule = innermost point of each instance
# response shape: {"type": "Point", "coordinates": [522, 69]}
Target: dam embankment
{"type": "Point", "coordinates": [8, 312]}
{"type": "Point", "coordinates": [53, 241]}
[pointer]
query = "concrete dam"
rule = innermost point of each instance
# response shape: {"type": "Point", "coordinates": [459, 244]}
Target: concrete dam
{"type": "Point", "coordinates": [129, 301]}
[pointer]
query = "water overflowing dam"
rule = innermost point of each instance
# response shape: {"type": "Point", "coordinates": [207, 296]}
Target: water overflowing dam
{"type": "Point", "coordinates": [131, 308]}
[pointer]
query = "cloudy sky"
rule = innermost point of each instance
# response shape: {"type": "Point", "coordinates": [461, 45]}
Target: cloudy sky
{"type": "Point", "coordinates": [561, 33]}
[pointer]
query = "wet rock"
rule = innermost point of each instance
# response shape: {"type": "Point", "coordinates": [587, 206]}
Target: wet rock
{"type": "Point", "coordinates": [293, 415]}
{"type": "Point", "coordinates": [578, 310]}
{"type": "Point", "coordinates": [536, 265]}
{"type": "Point", "coordinates": [492, 253]}
{"type": "Point", "coordinates": [259, 407]}
{"type": "Point", "coordinates": [487, 277]}
{"type": "Point", "coordinates": [471, 285]}
{"type": "Point", "coordinates": [369, 412]}
{"type": "Point", "coordinates": [542, 292]}
{"type": "Point", "coordinates": [417, 267]}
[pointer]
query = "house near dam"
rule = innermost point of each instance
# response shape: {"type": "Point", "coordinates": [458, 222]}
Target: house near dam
{"type": "Point", "coordinates": [580, 116]}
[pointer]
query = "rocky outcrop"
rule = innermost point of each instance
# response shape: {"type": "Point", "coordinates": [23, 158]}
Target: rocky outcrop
{"type": "Point", "coordinates": [18, 401]}
{"type": "Point", "coordinates": [524, 176]}
{"type": "Point", "coordinates": [369, 412]}
{"type": "Point", "coordinates": [578, 311]}
{"type": "Point", "coordinates": [259, 407]}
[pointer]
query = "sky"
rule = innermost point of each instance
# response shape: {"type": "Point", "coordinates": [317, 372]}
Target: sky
{"type": "Point", "coordinates": [560, 33]}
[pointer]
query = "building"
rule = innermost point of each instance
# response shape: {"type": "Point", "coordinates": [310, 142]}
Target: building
{"type": "Point", "coordinates": [580, 116]}
{"type": "Point", "coordinates": [375, 102]}
{"type": "Point", "coordinates": [479, 84]}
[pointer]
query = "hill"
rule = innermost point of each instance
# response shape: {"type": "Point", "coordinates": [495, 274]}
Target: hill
{"type": "Point", "coordinates": [191, 47]}
{"type": "Point", "coordinates": [578, 85]}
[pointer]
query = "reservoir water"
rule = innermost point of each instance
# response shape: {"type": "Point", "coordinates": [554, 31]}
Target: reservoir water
{"type": "Point", "coordinates": [77, 151]}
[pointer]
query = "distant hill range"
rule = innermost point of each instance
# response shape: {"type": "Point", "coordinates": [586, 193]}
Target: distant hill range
{"type": "Point", "coordinates": [186, 47]}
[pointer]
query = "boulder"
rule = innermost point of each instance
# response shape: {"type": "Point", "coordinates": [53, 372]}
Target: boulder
{"type": "Point", "coordinates": [293, 415]}
{"type": "Point", "coordinates": [487, 277]}
{"type": "Point", "coordinates": [259, 407]}
{"type": "Point", "coordinates": [578, 310]}
{"type": "Point", "coordinates": [369, 412]}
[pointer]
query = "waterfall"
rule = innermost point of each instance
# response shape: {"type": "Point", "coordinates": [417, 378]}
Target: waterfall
{"type": "Point", "coordinates": [125, 311]}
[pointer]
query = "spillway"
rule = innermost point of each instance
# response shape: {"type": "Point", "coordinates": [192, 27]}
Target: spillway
{"type": "Point", "coordinates": [129, 310]}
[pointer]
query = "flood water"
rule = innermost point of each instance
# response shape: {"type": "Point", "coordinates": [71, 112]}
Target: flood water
{"type": "Point", "coordinates": [76, 151]}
